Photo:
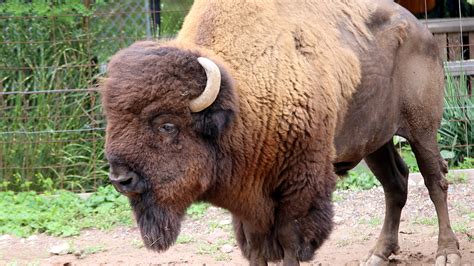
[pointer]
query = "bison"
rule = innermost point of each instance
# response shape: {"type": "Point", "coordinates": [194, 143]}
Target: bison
{"type": "Point", "coordinates": [257, 106]}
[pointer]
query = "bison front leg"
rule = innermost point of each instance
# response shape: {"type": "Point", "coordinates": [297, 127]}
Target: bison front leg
{"type": "Point", "coordinates": [250, 242]}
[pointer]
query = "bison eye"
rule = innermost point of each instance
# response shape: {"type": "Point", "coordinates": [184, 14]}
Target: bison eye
{"type": "Point", "coordinates": [168, 128]}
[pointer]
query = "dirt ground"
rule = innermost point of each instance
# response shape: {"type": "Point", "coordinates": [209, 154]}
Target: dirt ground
{"type": "Point", "coordinates": [209, 240]}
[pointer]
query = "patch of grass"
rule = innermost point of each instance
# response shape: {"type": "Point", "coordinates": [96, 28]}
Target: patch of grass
{"type": "Point", "coordinates": [138, 243]}
{"type": "Point", "coordinates": [461, 227]}
{"type": "Point", "coordinates": [336, 197]}
{"type": "Point", "coordinates": [184, 239]}
{"type": "Point", "coordinates": [94, 249]}
{"type": "Point", "coordinates": [197, 210]}
{"type": "Point", "coordinates": [454, 178]}
{"type": "Point", "coordinates": [215, 224]}
{"type": "Point", "coordinates": [343, 242]}
{"type": "Point", "coordinates": [426, 220]}
{"type": "Point", "coordinates": [62, 213]}
{"type": "Point", "coordinates": [214, 250]}
{"type": "Point", "coordinates": [409, 158]}
{"type": "Point", "coordinates": [358, 179]}
{"type": "Point", "coordinates": [373, 221]}
{"type": "Point", "coordinates": [471, 215]}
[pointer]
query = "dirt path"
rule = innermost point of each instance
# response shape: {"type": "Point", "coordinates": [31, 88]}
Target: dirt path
{"type": "Point", "coordinates": [209, 240]}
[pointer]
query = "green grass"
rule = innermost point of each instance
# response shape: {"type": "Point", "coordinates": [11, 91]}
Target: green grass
{"type": "Point", "coordinates": [471, 216]}
{"type": "Point", "coordinates": [454, 178]}
{"type": "Point", "coordinates": [358, 179]}
{"type": "Point", "coordinates": [184, 239]}
{"type": "Point", "coordinates": [214, 249]}
{"type": "Point", "coordinates": [336, 197]}
{"type": "Point", "coordinates": [461, 227]}
{"type": "Point", "coordinates": [373, 221]}
{"type": "Point", "coordinates": [62, 213]}
{"type": "Point", "coordinates": [426, 220]}
{"type": "Point", "coordinates": [197, 210]}
{"type": "Point", "coordinates": [455, 134]}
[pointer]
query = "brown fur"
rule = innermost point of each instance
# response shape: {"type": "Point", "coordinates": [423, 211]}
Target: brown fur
{"type": "Point", "coordinates": [265, 148]}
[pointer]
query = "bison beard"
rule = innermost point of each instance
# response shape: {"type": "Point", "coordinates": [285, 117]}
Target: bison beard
{"type": "Point", "coordinates": [159, 226]}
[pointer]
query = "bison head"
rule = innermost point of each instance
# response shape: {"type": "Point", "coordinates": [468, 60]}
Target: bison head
{"type": "Point", "coordinates": [167, 109]}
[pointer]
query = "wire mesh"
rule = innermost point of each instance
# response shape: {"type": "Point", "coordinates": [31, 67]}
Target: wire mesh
{"type": "Point", "coordinates": [52, 54]}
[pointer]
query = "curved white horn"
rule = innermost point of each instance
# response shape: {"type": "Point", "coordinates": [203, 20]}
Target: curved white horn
{"type": "Point", "coordinates": [213, 85]}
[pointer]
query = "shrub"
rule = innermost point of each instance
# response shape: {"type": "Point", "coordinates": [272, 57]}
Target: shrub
{"type": "Point", "coordinates": [455, 135]}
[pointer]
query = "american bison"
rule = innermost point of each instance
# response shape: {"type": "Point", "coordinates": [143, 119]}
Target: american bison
{"type": "Point", "coordinates": [257, 106]}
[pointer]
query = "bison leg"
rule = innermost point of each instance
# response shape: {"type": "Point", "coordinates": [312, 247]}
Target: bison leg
{"type": "Point", "coordinates": [289, 240]}
{"type": "Point", "coordinates": [392, 172]}
{"type": "Point", "coordinates": [251, 243]}
{"type": "Point", "coordinates": [433, 168]}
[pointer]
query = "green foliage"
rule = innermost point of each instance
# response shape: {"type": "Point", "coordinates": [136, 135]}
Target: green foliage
{"type": "Point", "coordinates": [197, 210]}
{"type": "Point", "coordinates": [61, 213]}
{"type": "Point", "coordinates": [457, 178]}
{"type": "Point", "coordinates": [184, 239]}
{"type": "Point", "coordinates": [409, 158]}
{"type": "Point", "coordinates": [456, 135]}
{"type": "Point", "coordinates": [358, 179]}
{"type": "Point", "coordinates": [426, 220]}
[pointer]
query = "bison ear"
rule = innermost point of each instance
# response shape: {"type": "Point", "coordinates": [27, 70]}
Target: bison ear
{"type": "Point", "coordinates": [212, 124]}
{"type": "Point", "coordinates": [214, 120]}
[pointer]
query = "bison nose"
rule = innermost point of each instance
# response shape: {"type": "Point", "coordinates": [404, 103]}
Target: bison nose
{"type": "Point", "coordinates": [126, 182]}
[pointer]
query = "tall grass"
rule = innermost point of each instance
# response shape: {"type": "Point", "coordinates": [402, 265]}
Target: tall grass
{"type": "Point", "coordinates": [51, 139]}
{"type": "Point", "coordinates": [456, 135]}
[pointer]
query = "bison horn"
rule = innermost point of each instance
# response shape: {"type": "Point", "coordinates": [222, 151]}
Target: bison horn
{"type": "Point", "coordinates": [213, 85]}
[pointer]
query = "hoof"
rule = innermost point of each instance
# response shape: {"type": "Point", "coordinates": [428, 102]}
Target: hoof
{"type": "Point", "coordinates": [448, 260]}
{"type": "Point", "coordinates": [375, 260]}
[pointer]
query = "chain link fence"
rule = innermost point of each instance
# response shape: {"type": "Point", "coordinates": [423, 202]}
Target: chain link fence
{"type": "Point", "coordinates": [52, 55]}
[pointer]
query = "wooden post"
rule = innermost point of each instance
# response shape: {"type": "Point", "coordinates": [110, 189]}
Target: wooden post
{"type": "Point", "coordinates": [471, 45]}
{"type": "Point", "coordinates": [442, 42]}
{"type": "Point", "coordinates": [454, 47]}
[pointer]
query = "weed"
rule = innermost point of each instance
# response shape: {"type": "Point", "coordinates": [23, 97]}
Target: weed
{"type": "Point", "coordinates": [94, 249]}
{"type": "Point", "coordinates": [358, 179]}
{"type": "Point", "coordinates": [184, 239]}
{"type": "Point", "coordinates": [138, 243]}
{"type": "Point", "coordinates": [197, 210]}
{"type": "Point", "coordinates": [426, 220]}
{"type": "Point", "coordinates": [62, 213]}
{"type": "Point", "coordinates": [373, 221]}
{"type": "Point", "coordinates": [336, 197]}
{"type": "Point", "coordinates": [454, 178]}
{"type": "Point", "coordinates": [214, 250]}
{"type": "Point", "coordinates": [409, 158]}
{"type": "Point", "coordinates": [461, 227]}
{"type": "Point", "coordinates": [342, 243]}
{"type": "Point", "coordinates": [471, 216]}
